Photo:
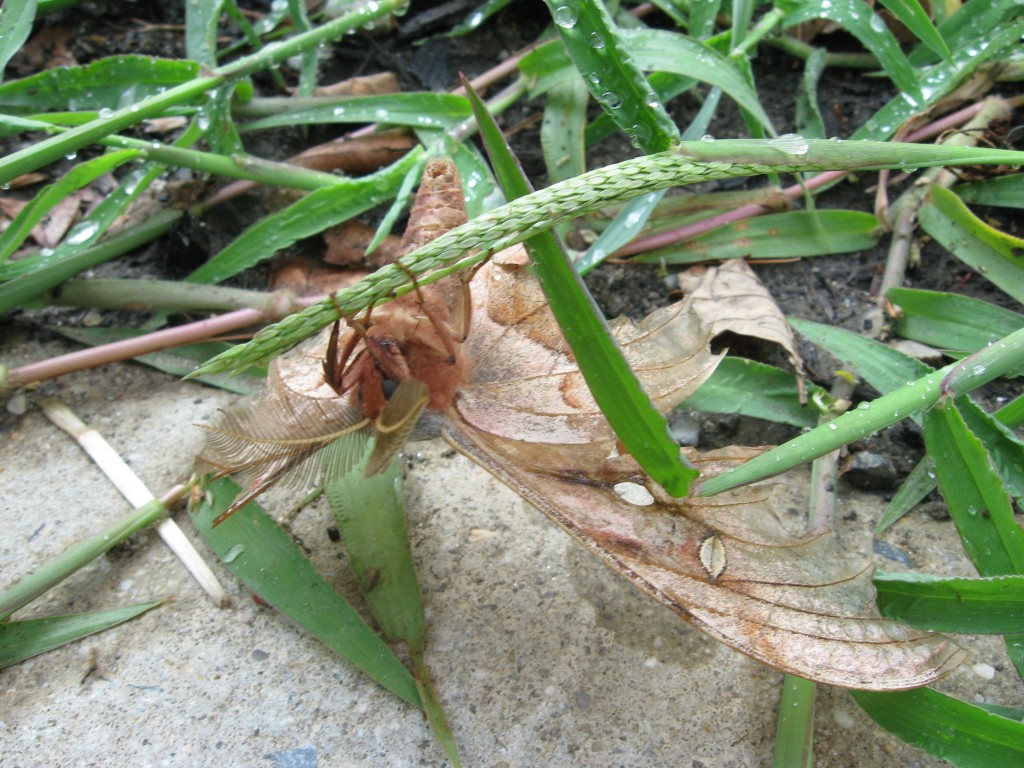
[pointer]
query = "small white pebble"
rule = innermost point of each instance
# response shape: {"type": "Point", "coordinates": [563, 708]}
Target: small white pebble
{"type": "Point", "coordinates": [986, 671]}
{"type": "Point", "coordinates": [843, 718]}
{"type": "Point", "coordinates": [650, 662]}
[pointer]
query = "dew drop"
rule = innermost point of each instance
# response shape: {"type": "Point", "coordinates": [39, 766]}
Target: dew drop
{"type": "Point", "coordinates": [106, 113]}
{"type": "Point", "coordinates": [877, 24]}
{"type": "Point", "coordinates": [611, 100]}
{"type": "Point", "coordinates": [707, 138]}
{"type": "Point", "coordinates": [596, 41]}
{"type": "Point", "coordinates": [791, 144]}
{"type": "Point", "coordinates": [565, 17]}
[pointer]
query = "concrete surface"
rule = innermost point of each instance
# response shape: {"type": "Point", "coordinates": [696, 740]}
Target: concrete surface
{"type": "Point", "coordinates": [541, 655]}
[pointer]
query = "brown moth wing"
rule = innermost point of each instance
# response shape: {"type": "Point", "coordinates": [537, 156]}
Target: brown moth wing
{"type": "Point", "coordinates": [726, 564]}
{"type": "Point", "coordinates": [278, 434]}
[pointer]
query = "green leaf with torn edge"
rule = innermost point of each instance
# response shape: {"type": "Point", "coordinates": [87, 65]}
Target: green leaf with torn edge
{"type": "Point", "coordinates": [20, 640]}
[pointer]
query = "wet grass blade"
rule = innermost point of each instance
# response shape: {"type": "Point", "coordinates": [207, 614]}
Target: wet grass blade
{"type": "Point", "coordinates": [993, 605]}
{"type": "Point", "coordinates": [418, 110]}
{"type": "Point", "coordinates": [794, 732]}
{"type": "Point", "coordinates": [755, 389]}
{"type": "Point", "coordinates": [263, 556]}
{"type": "Point", "coordinates": [613, 384]}
{"type": "Point", "coordinates": [972, 488]}
{"type": "Point", "coordinates": [883, 367]}
{"type": "Point", "coordinates": [615, 79]}
{"type": "Point", "coordinates": [314, 213]}
{"type": "Point", "coordinates": [870, 417]}
{"type": "Point", "coordinates": [916, 20]}
{"type": "Point", "coordinates": [99, 85]}
{"type": "Point", "coordinates": [919, 483]}
{"type": "Point", "coordinates": [993, 253]}
{"type": "Point", "coordinates": [977, 500]}
{"type": "Point", "coordinates": [1002, 191]}
{"type": "Point", "coordinates": [794, 234]}
{"type": "Point", "coordinates": [16, 19]}
{"type": "Point", "coordinates": [962, 733]}
{"type": "Point", "coordinates": [20, 640]}
{"type": "Point", "coordinates": [944, 77]}
{"type": "Point", "coordinates": [857, 18]}
{"type": "Point", "coordinates": [80, 176]}
{"type": "Point", "coordinates": [951, 321]}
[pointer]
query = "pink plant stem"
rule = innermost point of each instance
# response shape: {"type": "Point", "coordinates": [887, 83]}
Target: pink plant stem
{"type": "Point", "coordinates": [690, 231]}
{"type": "Point", "coordinates": [129, 348]}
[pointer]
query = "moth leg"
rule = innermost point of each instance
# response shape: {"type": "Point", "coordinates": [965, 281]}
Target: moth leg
{"type": "Point", "coordinates": [442, 327]}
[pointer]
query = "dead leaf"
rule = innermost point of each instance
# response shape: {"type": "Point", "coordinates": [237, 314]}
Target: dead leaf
{"type": "Point", "coordinates": [347, 244]}
{"type": "Point", "coordinates": [731, 298]}
{"type": "Point", "coordinates": [367, 85]}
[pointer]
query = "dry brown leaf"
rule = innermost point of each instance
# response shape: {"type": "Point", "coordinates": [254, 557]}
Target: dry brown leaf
{"type": "Point", "coordinates": [731, 298]}
{"type": "Point", "coordinates": [347, 244]}
{"type": "Point", "coordinates": [367, 85]}
{"type": "Point", "coordinates": [511, 397]}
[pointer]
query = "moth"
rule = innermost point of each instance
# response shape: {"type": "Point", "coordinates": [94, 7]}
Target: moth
{"type": "Point", "coordinates": [512, 399]}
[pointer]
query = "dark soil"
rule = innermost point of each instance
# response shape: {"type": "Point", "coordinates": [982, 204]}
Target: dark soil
{"type": "Point", "coordinates": [838, 290]}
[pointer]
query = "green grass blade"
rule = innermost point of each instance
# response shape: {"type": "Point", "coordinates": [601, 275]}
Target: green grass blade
{"type": "Point", "coordinates": [977, 501]}
{"type": "Point", "coordinates": [16, 19]}
{"type": "Point", "coordinates": [613, 384]}
{"type": "Point", "coordinates": [794, 733]}
{"type": "Point", "coordinates": [20, 640]}
{"type": "Point", "coordinates": [263, 556]}
{"type": "Point", "coordinates": [561, 131]}
{"type": "Point", "coordinates": [950, 321]}
{"type": "Point", "coordinates": [993, 605]}
{"type": "Point", "coordinates": [80, 176]}
{"type": "Point", "coordinates": [1012, 414]}
{"type": "Point", "coordinates": [1002, 191]}
{"type": "Point", "coordinates": [1005, 449]}
{"type": "Point", "coordinates": [371, 518]}
{"type": "Point", "coordinates": [919, 483]}
{"type": "Point", "coordinates": [48, 150]}
{"type": "Point", "coordinates": [808, 119]}
{"type": "Point", "coordinates": [963, 27]}
{"type": "Point", "coordinates": [314, 213]}
{"type": "Point", "coordinates": [28, 286]}
{"type": "Point", "coordinates": [201, 31]}
{"type": "Point", "coordinates": [794, 234]}
{"type": "Point", "coordinates": [916, 20]}
{"type": "Point", "coordinates": [943, 78]}
{"type": "Point", "coordinates": [857, 18]}
{"type": "Point", "coordinates": [962, 733]}
{"type": "Point", "coordinates": [994, 254]}
{"type": "Point", "coordinates": [702, 18]}
{"type": "Point", "coordinates": [606, 63]}
{"type": "Point", "coordinates": [63, 565]}
{"type": "Point", "coordinates": [881, 366]}
{"type": "Point", "coordinates": [419, 110]}
{"type": "Point", "coordinates": [867, 418]}
{"type": "Point", "coordinates": [754, 389]}
{"type": "Point", "coordinates": [104, 84]}
{"type": "Point", "coordinates": [663, 51]}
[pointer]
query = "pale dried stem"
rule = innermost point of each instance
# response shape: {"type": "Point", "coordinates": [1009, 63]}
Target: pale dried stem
{"type": "Point", "coordinates": [133, 489]}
